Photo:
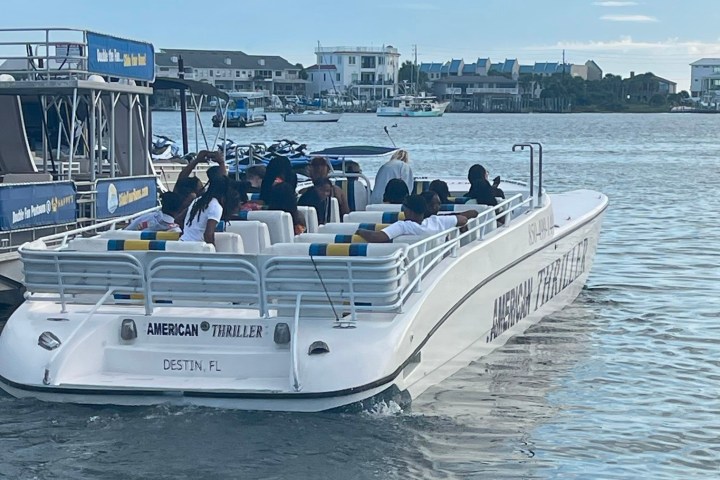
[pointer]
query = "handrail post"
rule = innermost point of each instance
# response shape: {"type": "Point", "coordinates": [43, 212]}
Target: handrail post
{"type": "Point", "coordinates": [293, 345]}
{"type": "Point", "coordinates": [540, 172]}
{"type": "Point", "coordinates": [532, 162]}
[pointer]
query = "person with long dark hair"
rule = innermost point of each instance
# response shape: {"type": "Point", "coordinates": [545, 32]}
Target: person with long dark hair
{"type": "Point", "coordinates": [442, 190]}
{"type": "Point", "coordinates": [395, 191]}
{"type": "Point", "coordinates": [283, 197]}
{"type": "Point", "coordinates": [207, 210]}
{"type": "Point", "coordinates": [480, 188]}
{"type": "Point", "coordinates": [279, 170]}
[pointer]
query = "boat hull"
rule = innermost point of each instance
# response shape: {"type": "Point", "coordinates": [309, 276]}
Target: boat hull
{"type": "Point", "coordinates": [446, 325]}
{"type": "Point", "coordinates": [329, 118]}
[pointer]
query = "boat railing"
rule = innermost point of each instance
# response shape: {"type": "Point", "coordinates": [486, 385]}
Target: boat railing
{"type": "Point", "coordinates": [341, 285]}
{"type": "Point", "coordinates": [44, 54]}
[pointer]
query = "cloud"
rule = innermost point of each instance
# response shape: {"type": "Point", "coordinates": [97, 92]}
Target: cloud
{"type": "Point", "coordinates": [671, 46]}
{"type": "Point", "coordinates": [615, 4]}
{"type": "Point", "coordinates": [628, 18]}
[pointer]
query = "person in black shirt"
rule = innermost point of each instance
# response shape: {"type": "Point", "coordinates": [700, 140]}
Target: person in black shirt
{"type": "Point", "coordinates": [319, 197]}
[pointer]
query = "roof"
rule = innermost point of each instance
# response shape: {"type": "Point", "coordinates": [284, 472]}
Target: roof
{"type": "Point", "coordinates": [664, 80]}
{"type": "Point", "coordinates": [321, 67]}
{"type": "Point", "coordinates": [509, 65]}
{"type": "Point", "coordinates": [482, 62]}
{"type": "Point", "coordinates": [431, 67]}
{"type": "Point", "coordinates": [216, 59]}
{"type": "Point", "coordinates": [469, 68]}
{"type": "Point", "coordinates": [526, 68]}
{"type": "Point", "coordinates": [445, 68]}
{"type": "Point", "coordinates": [200, 88]}
{"type": "Point", "coordinates": [707, 61]}
{"type": "Point", "coordinates": [455, 66]}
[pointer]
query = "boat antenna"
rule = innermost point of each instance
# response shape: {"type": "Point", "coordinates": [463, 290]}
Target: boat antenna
{"type": "Point", "coordinates": [327, 294]}
{"type": "Point", "coordinates": [388, 134]}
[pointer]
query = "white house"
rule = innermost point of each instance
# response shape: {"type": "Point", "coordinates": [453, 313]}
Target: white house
{"type": "Point", "coordinates": [368, 73]}
{"type": "Point", "coordinates": [704, 77]}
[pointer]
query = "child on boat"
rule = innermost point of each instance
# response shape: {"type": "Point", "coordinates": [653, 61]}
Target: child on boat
{"type": "Point", "coordinates": [162, 220]}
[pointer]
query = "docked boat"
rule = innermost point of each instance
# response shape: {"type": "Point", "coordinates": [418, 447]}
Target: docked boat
{"type": "Point", "coordinates": [245, 109]}
{"type": "Point", "coordinates": [265, 320]}
{"type": "Point", "coordinates": [412, 106]}
{"type": "Point", "coordinates": [318, 116]}
{"type": "Point", "coordinates": [73, 144]}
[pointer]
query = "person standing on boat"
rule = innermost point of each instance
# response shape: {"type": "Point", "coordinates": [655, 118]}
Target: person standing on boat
{"type": "Point", "coordinates": [397, 167]}
{"type": "Point", "coordinates": [415, 223]}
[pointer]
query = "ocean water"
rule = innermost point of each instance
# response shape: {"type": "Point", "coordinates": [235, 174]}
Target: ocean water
{"type": "Point", "coordinates": [621, 384]}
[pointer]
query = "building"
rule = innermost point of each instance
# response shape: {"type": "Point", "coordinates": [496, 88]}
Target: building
{"type": "Point", "coordinates": [665, 86]}
{"type": "Point", "coordinates": [366, 73]}
{"type": "Point", "coordinates": [705, 77]}
{"type": "Point", "coordinates": [479, 93]}
{"type": "Point", "coordinates": [233, 70]}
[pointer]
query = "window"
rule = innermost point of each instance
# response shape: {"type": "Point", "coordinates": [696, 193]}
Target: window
{"type": "Point", "coordinates": [337, 77]}
{"type": "Point", "coordinates": [351, 60]}
{"type": "Point", "coordinates": [367, 78]}
{"type": "Point", "coordinates": [381, 60]}
{"type": "Point", "coordinates": [312, 77]}
{"type": "Point", "coordinates": [716, 69]}
{"type": "Point", "coordinates": [278, 73]}
{"type": "Point", "coordinates": [324, 77]}
{"type": "Point", "coordinates": [367, 62]}
{"type": "Point", "coordinates": [237, 73]}
{"type": "Point", "coordinates": [263, 73]}
{"type": "Point", "coordinates": [354, 77]}
{"type": "Point", "coordinates": [211, 73]}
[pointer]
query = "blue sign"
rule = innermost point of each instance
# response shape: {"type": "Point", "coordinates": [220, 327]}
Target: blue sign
{"type": "Point", "coordinates": [119, 197]}
{"type": "Point", "coordinates": [32, 205]}
{"type": "Point", "coordinates": [118, 57]}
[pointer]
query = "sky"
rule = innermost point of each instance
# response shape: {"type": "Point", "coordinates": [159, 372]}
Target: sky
{"type": "Point", "coordinates": [658, 36]}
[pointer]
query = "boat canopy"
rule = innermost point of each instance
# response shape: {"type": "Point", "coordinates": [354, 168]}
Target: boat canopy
{"type": "Point", "coordinates": [198, 88]}
{"type": "Point", "coordinates": [354, 151]}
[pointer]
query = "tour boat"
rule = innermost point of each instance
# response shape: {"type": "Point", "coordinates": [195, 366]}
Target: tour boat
{"type": "Point", "coordinates": [265, 320]}
{"type": "Point", "coordinates": [412, 106]}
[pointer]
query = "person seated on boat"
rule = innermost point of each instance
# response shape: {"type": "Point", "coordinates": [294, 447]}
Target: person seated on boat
{"type": "Point", "coordinates": [415, 222]}
{"type": "Point", "coordinates": [319, 168]}
{"type": "Point", "coordinates": [283, 197]}
{"type": "Point", "coordinates": [254, 175]}
{"type": "Point", "coordinates": [482, 191]}
{"type": "Point", "coordinates": [246, 205]}
{"type": "Point", "coordinates": [318, 197]}
{"type": "Point", "coordinates": [206, 211]}
{"type": "Point", "coordinates": [204, 156]}
{"type": "Point", "coordinates": [442, 190]}
{"type": "Point", "coordinates": [279, 170]}
{"type": "Point", "coordinates": [189, 188]}
{"type": "Point", "coordinates": [433, 207]}
{"type": "Point", "coordinates": [395, 192]}
{"type": "Point", "coordinates": [162, 220]}
{"type": "Point", "coordinates": [397, 167]}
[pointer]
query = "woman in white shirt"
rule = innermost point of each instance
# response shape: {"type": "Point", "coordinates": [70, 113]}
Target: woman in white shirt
{"type": "Point", "coordinates": [206, 211]}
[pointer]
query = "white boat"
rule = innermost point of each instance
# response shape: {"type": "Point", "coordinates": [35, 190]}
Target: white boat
{"type": "Point", "coordinates": [312, 116]}
{"type": "Point", "coordinates": [306, 323]}
{"type": "Point", "coordinates": [412, 106]}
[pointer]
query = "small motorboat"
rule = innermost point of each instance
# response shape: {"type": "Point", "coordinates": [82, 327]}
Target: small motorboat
{"type": "Point", "coordinates": [320, 116]}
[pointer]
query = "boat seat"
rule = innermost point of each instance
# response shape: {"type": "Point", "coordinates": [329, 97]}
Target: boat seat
{"type": "Point", "coordinates": [334, 210]}
{"type": "Point", "coordinates": [365, 273]}
{"type": "Point", "coordinates": [280, 225]}
{"type": "Point", "coordinates": [356, 192]}
{"type": "Point", "coordinates": [255, 235]}
{"type": "Point", "coordinates": [383, 207]}
{"type": "Point", "coordinates": [328, 238]}
{"type": "Point", "coordinates": [139, 235]}
{"type": "Point", "coordinates": [420, 185]}
{"type": "Point", "coordinates": [96, 244]}
{"type": "Point", "coordinates": [374, 217]}
{"type": "Point", "coordinates": [349, 228]}
{"type": "Point", "coordinates": [311, 220]}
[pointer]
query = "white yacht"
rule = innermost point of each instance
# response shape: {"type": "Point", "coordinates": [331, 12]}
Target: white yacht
{"type": "Point", "coordinates": [265, 320]}
{"type": "Point", "coordinates": [412, 106]}
{"type": "Point", "coordinates": [318, 116]}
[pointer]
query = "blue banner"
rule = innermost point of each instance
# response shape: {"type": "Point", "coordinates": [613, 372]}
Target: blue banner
{"type": "Point", "coordinates": [118, 197]}
{"type": "Point", "coordinates": [32, 205]}
{"type": "Point", "coordinates": [120, 58]}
